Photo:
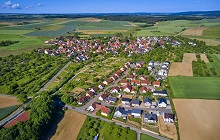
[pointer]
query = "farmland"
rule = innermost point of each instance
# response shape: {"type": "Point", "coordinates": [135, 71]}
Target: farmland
{"type": "Point", "coordinates": [215, 64]}
{"type": "Point", "coordinates": [185, 67]}
{"type": "Point", "coordinates": [146, 137]}
{"type": "Point", "coordinates": [69, 128]}
{"type": "Point", "coordinates": [195, 87]}
{"type": "Point", "coordinates": [198, 119]}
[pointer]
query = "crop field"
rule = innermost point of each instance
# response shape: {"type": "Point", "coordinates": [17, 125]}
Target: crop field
{"type": "Point", "coordinates": [215, 64]}
{"type": "Point", "coordinates": [213, 32]}
{"type": "Point", "coordinates": [204, 58]}
{"type": "Point", "coordinates": [7, 101]}
{"type": "Point", "coordinates": [97, 70]}
{"type": "Point", "coordinates": [69, 126]}
{"type": "Point", "coordinates": [198, 119]}
{"type": "Point", "coordinates": [183, 68]}
{"type": "Point", "coordinates": [194, 31]}
{"type": "Point", "coordinates": [7, 110]}
{"type": "Point", "coordinates": [195, 87]}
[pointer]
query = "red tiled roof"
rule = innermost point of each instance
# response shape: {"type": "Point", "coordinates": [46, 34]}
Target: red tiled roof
{"type": "Point", "coordinates": [104, 109]}
{"type": "Point", "coordinates": [156, 83]}
{"type": "Point", "coordinates": [23, 117]}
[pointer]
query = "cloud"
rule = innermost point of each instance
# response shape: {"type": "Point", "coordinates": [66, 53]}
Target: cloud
{"type": "Point", "coordinates": [40, 5]}
{"type": "Point", "coordinates": [9, 5]}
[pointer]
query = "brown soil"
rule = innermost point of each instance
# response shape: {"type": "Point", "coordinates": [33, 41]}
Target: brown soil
{"type": "Point", "coordinates": [183, 68]}
{"type": "Point", "coordinates": [204, 58]}
{"type": "Point", "coordinates": [70, 126]}
{"type": "Point", "coordinates": [6, 101]}
{"type": "Point", "coordinates": [167, 129]}
{"type": "Point", "coordinates": [194, 32]}
{"type": "Point", "coordinates": [198, 119]}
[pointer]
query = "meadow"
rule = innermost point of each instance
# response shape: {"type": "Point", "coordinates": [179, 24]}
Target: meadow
{"type": "Point", "coordinates": [195, 87]}
{"type": "Point", "coordinates": [6, 111]}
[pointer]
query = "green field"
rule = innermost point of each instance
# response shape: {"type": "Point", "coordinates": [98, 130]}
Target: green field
{"type": "Point", "coordinates": [106, 130]}
{"type": "Point", "coordinates": [213, 32]}
{"type": "Point", "coordinates": [215, 64]}
{"type": "Point", "coordinates": [195, 87]}
{"type": "Point", "coordinates": [6, 111]}
{"type": "Point", "coordinates": [146, 137]}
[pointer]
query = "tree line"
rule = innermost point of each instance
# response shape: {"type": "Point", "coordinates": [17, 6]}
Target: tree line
{"type": "Point", "coordinates": [7, 43]}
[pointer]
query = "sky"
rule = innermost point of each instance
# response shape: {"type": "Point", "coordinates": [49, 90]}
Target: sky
{"type": "Point", "coordinates": [106, 6]}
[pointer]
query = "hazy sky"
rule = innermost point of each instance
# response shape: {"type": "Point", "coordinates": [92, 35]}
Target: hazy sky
{"type": "Point", "coordinates": [106, 6]}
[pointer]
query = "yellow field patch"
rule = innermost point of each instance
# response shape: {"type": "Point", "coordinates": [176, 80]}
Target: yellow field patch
{"type": "Point", "coordinates": [194, 31]}
{"type": "Point", "coordinates": [6, 101]}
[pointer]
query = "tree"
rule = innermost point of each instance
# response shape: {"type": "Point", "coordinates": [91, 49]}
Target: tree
{"type": "Point", "coordinates": [22, 98]}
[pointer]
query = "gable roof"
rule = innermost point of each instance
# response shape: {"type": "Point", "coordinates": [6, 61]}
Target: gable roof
{"type": "Point", "coordinates": [96, 105]}
{"type": "Point", "coordinates": [104, 109]}
{"type": "Point", "coordinates": [125, 99]}
{"type": "Point", "coordinates": [137, 111]}
{"type": "Point", "coordinates": [136, 102]}
{"type": "Point", "coordinates": [160, 100]}
{"type": "Point", "coordinates": [151, 116]}
{"type": "Point", "coordinates": [169, 115]}
{"type": "Point", "coordinates": [120, 109]}
{"type": "Point", "coordinates": [147, 100]}
{"type": "Point", "coordinates": [156, 83]}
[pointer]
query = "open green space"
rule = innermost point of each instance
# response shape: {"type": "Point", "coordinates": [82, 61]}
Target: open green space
{"type": "Point", "coordinates": [6, 111]}
{"type": "Point", "coordinates": [213, 32]}
{"type": "Point", "coordinates": [195, 87]}
{"type": "Point", "coordinates": [215, 64]}
{"type": "Point", "coordinates": [146, 137]}
{"type": "Point", "coordinates": [106, 130]}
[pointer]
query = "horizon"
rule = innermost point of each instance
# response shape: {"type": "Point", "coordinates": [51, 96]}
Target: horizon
{"type": "Point", "coordinates": [98, 6]}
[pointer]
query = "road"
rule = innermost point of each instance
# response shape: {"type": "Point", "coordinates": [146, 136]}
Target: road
{"type": "Point", "coordinates": [99, 94]}
{"type": "Point", "coordinates": [14, 114]}
{"type": "Point", "coordinates": [51, 80]}
{"type": "Point", "coordinates": [123, 125]}
{"type": "Point", "coordinates": [217, 56]}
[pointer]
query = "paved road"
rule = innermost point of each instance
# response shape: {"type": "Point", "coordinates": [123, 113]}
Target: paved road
{"type": "Point", "coordinates": [99, 94]}
{"type": "Point", "coordinates": [14, 114]}
{"type": "Point", "coordinates": [138, 136]}
{"type": "Point", "coordinates": [123, 125]}
{"type": "Point", "coordinates": [51, 80]}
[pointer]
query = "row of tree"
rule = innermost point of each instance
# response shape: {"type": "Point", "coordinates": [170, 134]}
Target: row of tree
{"type": "Point", "coordinates": [7, 43]}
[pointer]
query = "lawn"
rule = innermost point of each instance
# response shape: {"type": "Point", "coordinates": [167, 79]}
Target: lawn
{"type": "Point", "coordinates": [6, 111]}
{"type": "Point", "coordinates": [195, 87]}
{"type": "Point", "coordinates": [146, 137]}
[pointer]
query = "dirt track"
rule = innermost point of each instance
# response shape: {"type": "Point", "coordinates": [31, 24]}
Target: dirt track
{"type": "Point", "coordinates": [6, 101]}
{"type": "Point", "coordinates": [198, 119]}
{"type": "Point", "coordinates": [69, 126]}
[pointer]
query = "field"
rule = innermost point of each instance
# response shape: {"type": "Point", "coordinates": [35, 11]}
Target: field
{"type": "Point", "coordinates": [7, 101]}
{"type": "Point", "coordinates": [69, 126]}
{"type": "Point", "coordinates": [146, 137]}
{"type": "Point", "coordinates": [168, 130]}
{"type": "Point", "coordinates": [215, 64]}
{"type": "Point", "coordinates": [7, 110]}
{"type": "Point", "coordinates": [195, 87]}
{"type": "Point", "coordinates": [204, 58]}
{"type": "Point", "coordinates": [198, 119]}
{"type": "Point", "coordinates": [194, 31]}
{"type": "Point", "coordinates": [185, 67]}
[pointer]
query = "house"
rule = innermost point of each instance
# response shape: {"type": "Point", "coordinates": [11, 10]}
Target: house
{"type": "Point", "coordinates": [160, 93]}
{"type": "Point", "coordinates": [101, 86]}
{"type": "Point", "coordinates": [145, 82]}
{"type": "Point", "coordinates": [162, 102]}
{"type": "Point", "coordinates": [90, 94]}
{"type": "Point", "coordinates": [168, 101]}
{"type": "Point", "coordinates": [115, 89]}
{"type": "Point", "coordinates": [169, 117]}
{"type": "Point", "coordinates": [119, 112]}
{"type": "Point", "coordinates": [114, 77]}
{"type": "Point", "coordinates": [151, 63]}
{"type": "Point", "coordinates": [127, 88]}
{"type": "Point", "coordinates": [103, 97]}
{"type": "Point", "coordinates": [143, 90]}
{"type": "Point", "coordinates": [118, 73]}
{"type": "Point", "coordinates": [94, 106]}
{"type": "Point", "coordinates": [135, 103]}
{"type": "Point", "coordinates": [136, 113]}
{"type": "Point", "coordinates": [150, 118]}
{"type": "Point", "coordinates": [110, 80]}
{"type": "Point", "coordinates": [124, 82]}
{"type": "Point", "coordinates": [133, 90]}
{"type": "Point", "coordinates": [136, 82]}
{"type": "Point", "coordinates": [141, 77]}
{"type": "Point", "coordinates": [154, 105]}
{"type": "Point", "coordinates": [111, 99]}
{"type": "Point", "coordinates": [105, 111]}
{"type": "Point", "coordinates": [47, 51]}
{"type": "Point", "coordinates": [156, 83]}
{"type": "Point", "coordinates": [163, 72]}
{"type": "Point", "coordinates": [82, 100]}
{"type": "Point", "coordinates": [94, 89]}
{"type": "Point", "coordinates": [125, 101]}
{"type": "Point", "coordinates": [130, 77]}
{"type": "Point", "coordinates": [147, 102]}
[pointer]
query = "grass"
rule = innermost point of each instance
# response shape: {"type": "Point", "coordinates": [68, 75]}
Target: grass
{"type": "Point", "coordinates": [215, 64]}
{"type": "Point", "coordinates": [6, 111]}
{"type": "Point", "coordinates": [195, 87]}
{"type": "Point", "coordinates": [146, 137]}
{"type": "Point", "coordinates": [213, 32]}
